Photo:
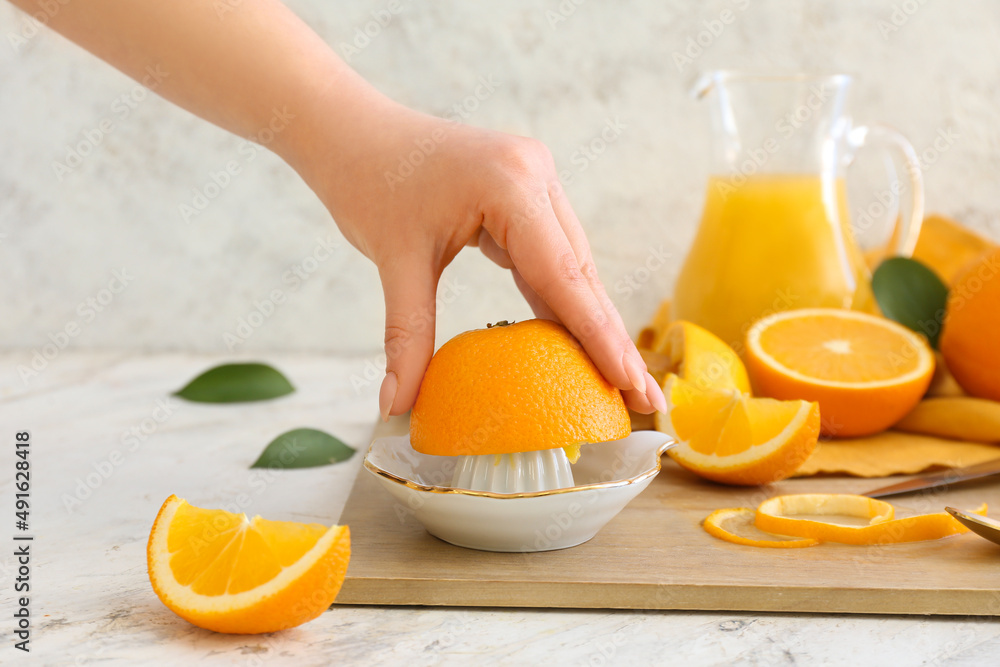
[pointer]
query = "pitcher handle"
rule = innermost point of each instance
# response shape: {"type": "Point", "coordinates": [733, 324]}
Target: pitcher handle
{"type": "Point", "coordinates": [907, 228]}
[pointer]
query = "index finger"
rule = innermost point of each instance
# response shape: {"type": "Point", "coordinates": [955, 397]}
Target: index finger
{"type": "Point", "coordinates": [548, 263]}
{"type": "Point", "coordinates": [634, 364]}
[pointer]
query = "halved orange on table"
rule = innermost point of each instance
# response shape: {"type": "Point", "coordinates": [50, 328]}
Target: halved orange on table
{"type": "Point", "coordinates": [225, 572]}
{"type": "Point", "coordinates": [866, 372]}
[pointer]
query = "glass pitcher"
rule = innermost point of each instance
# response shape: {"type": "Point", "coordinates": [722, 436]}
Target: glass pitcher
{"type": "Point", "coordinates": [775, 233]}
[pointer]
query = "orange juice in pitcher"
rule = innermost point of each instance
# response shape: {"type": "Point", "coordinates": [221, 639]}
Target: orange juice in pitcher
{"type": "Point", "coordinates": [773, 243]}
{"type": "Point", "coordinates": [775, 230]}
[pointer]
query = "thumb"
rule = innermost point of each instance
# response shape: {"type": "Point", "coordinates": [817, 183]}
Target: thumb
{"type": "Point", "coordinates": [410, 295]}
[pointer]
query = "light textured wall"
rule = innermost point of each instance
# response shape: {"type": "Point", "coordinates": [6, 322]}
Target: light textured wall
{"type": "Point", "coordinates": [563, 71]}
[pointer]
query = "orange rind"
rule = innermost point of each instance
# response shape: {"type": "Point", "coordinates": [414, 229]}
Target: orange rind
{"type": "Point", "coordinates": [512, 388]}
{"type": "Point", "coordinates": [781, 522]}
{"type": "Point", "coordinates": [969, 339]}
{"type": "Point", "coordinates": [783, 515]}
{"type": "Point", "coordinates": [736, 525]}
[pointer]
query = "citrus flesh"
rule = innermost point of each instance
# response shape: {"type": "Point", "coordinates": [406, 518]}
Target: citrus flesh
{"type": "Point", "coordinates": [699, 356]}
{"type": "Point", "coordinates": [730, 437]}
{"type": "Point", "coordinates": [225, 572]}
{"type": "Point", "coordinates": [866, 372]}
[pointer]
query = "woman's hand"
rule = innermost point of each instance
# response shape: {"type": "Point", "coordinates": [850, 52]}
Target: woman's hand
{"type": "Point", "coordinates": [464, 186]}
{"type": "Point", "coordinates": [410, 190]}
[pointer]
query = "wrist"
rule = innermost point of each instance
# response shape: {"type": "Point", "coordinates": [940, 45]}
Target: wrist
{"type": "Point", "coordinates": [334, 114]}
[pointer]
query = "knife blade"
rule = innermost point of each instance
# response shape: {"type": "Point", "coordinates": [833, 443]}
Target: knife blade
{"type": "Point", "coordinates": [933, 480]}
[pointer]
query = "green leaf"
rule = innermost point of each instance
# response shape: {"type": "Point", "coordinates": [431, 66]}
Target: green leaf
{"type": "Point", "coordinates": [303, 448]}
{"type": "Point", "coordinates": [910, 293]}
{"type": "Point", "coordinates": [235, 383]}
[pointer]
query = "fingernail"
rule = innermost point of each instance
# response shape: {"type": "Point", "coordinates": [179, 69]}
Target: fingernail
{"type": "Point", "coordinates": [387, 394]}
{"type": "Point", "coordinates": [655, 395]}
{"type": "Point", "coordinates": [636, 373]}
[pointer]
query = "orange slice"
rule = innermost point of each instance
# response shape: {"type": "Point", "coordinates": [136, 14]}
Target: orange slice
{"type": "Point", "coordinates": [732, 438]}
{"type": "Point", "coordinates": [783, 515]}
{"type": "Point", "coordinates": [866, 372]}
{"type": "Point", "coordinates": [699, 356]}
{"type": "Point", "coordinates": [736, 525]}
{"type": "Point", "coordinates": [225, 572]}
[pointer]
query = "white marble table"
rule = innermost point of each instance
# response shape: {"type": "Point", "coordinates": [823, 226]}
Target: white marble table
{"type": "Point", "coordinates": [92, 603]}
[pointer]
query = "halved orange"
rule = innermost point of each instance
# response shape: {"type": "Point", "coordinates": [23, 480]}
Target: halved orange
{"type": "Point", "coordinates": [733, 438]}
{"type": "Point", "coordinates": [866, 372]}
{"type": "Point", "coordinates": [699, 356]}
{"type": "Point", "coordinates": [225, 572]}
{"type": "Point", "coordinates": [510, 388]}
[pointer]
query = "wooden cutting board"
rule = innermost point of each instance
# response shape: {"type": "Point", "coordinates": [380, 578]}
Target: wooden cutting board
{"type": "Point", "coordinates": [655, 555]}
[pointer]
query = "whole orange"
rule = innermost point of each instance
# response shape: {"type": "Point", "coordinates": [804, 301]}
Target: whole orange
{"type": "Point", "coordinates": [512, 388]}
{"type": "Point", "coordinates": [970, 340]}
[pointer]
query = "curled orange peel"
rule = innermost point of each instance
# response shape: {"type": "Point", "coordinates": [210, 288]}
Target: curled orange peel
{"type": "Point", "coordinates": [736, 525]}
{"type": "Point", "coordinates": [779, 515]}
{"type": "Point", "coordinates": [924, 527]}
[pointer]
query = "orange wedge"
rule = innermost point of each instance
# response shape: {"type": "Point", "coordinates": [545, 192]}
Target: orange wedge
{"type": "Point", "coordinates": [729, 437]}
{"type": "Point", "coordinates": [782, 515]}
{"type": "Point", "coordinates": [699, 356]}
{"type": "Point", "coordinates": [224, 572]}
{"type": "Point", "coordinates": [736, 525]}
{"type": "Point", "coordinates": [866, 372]}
